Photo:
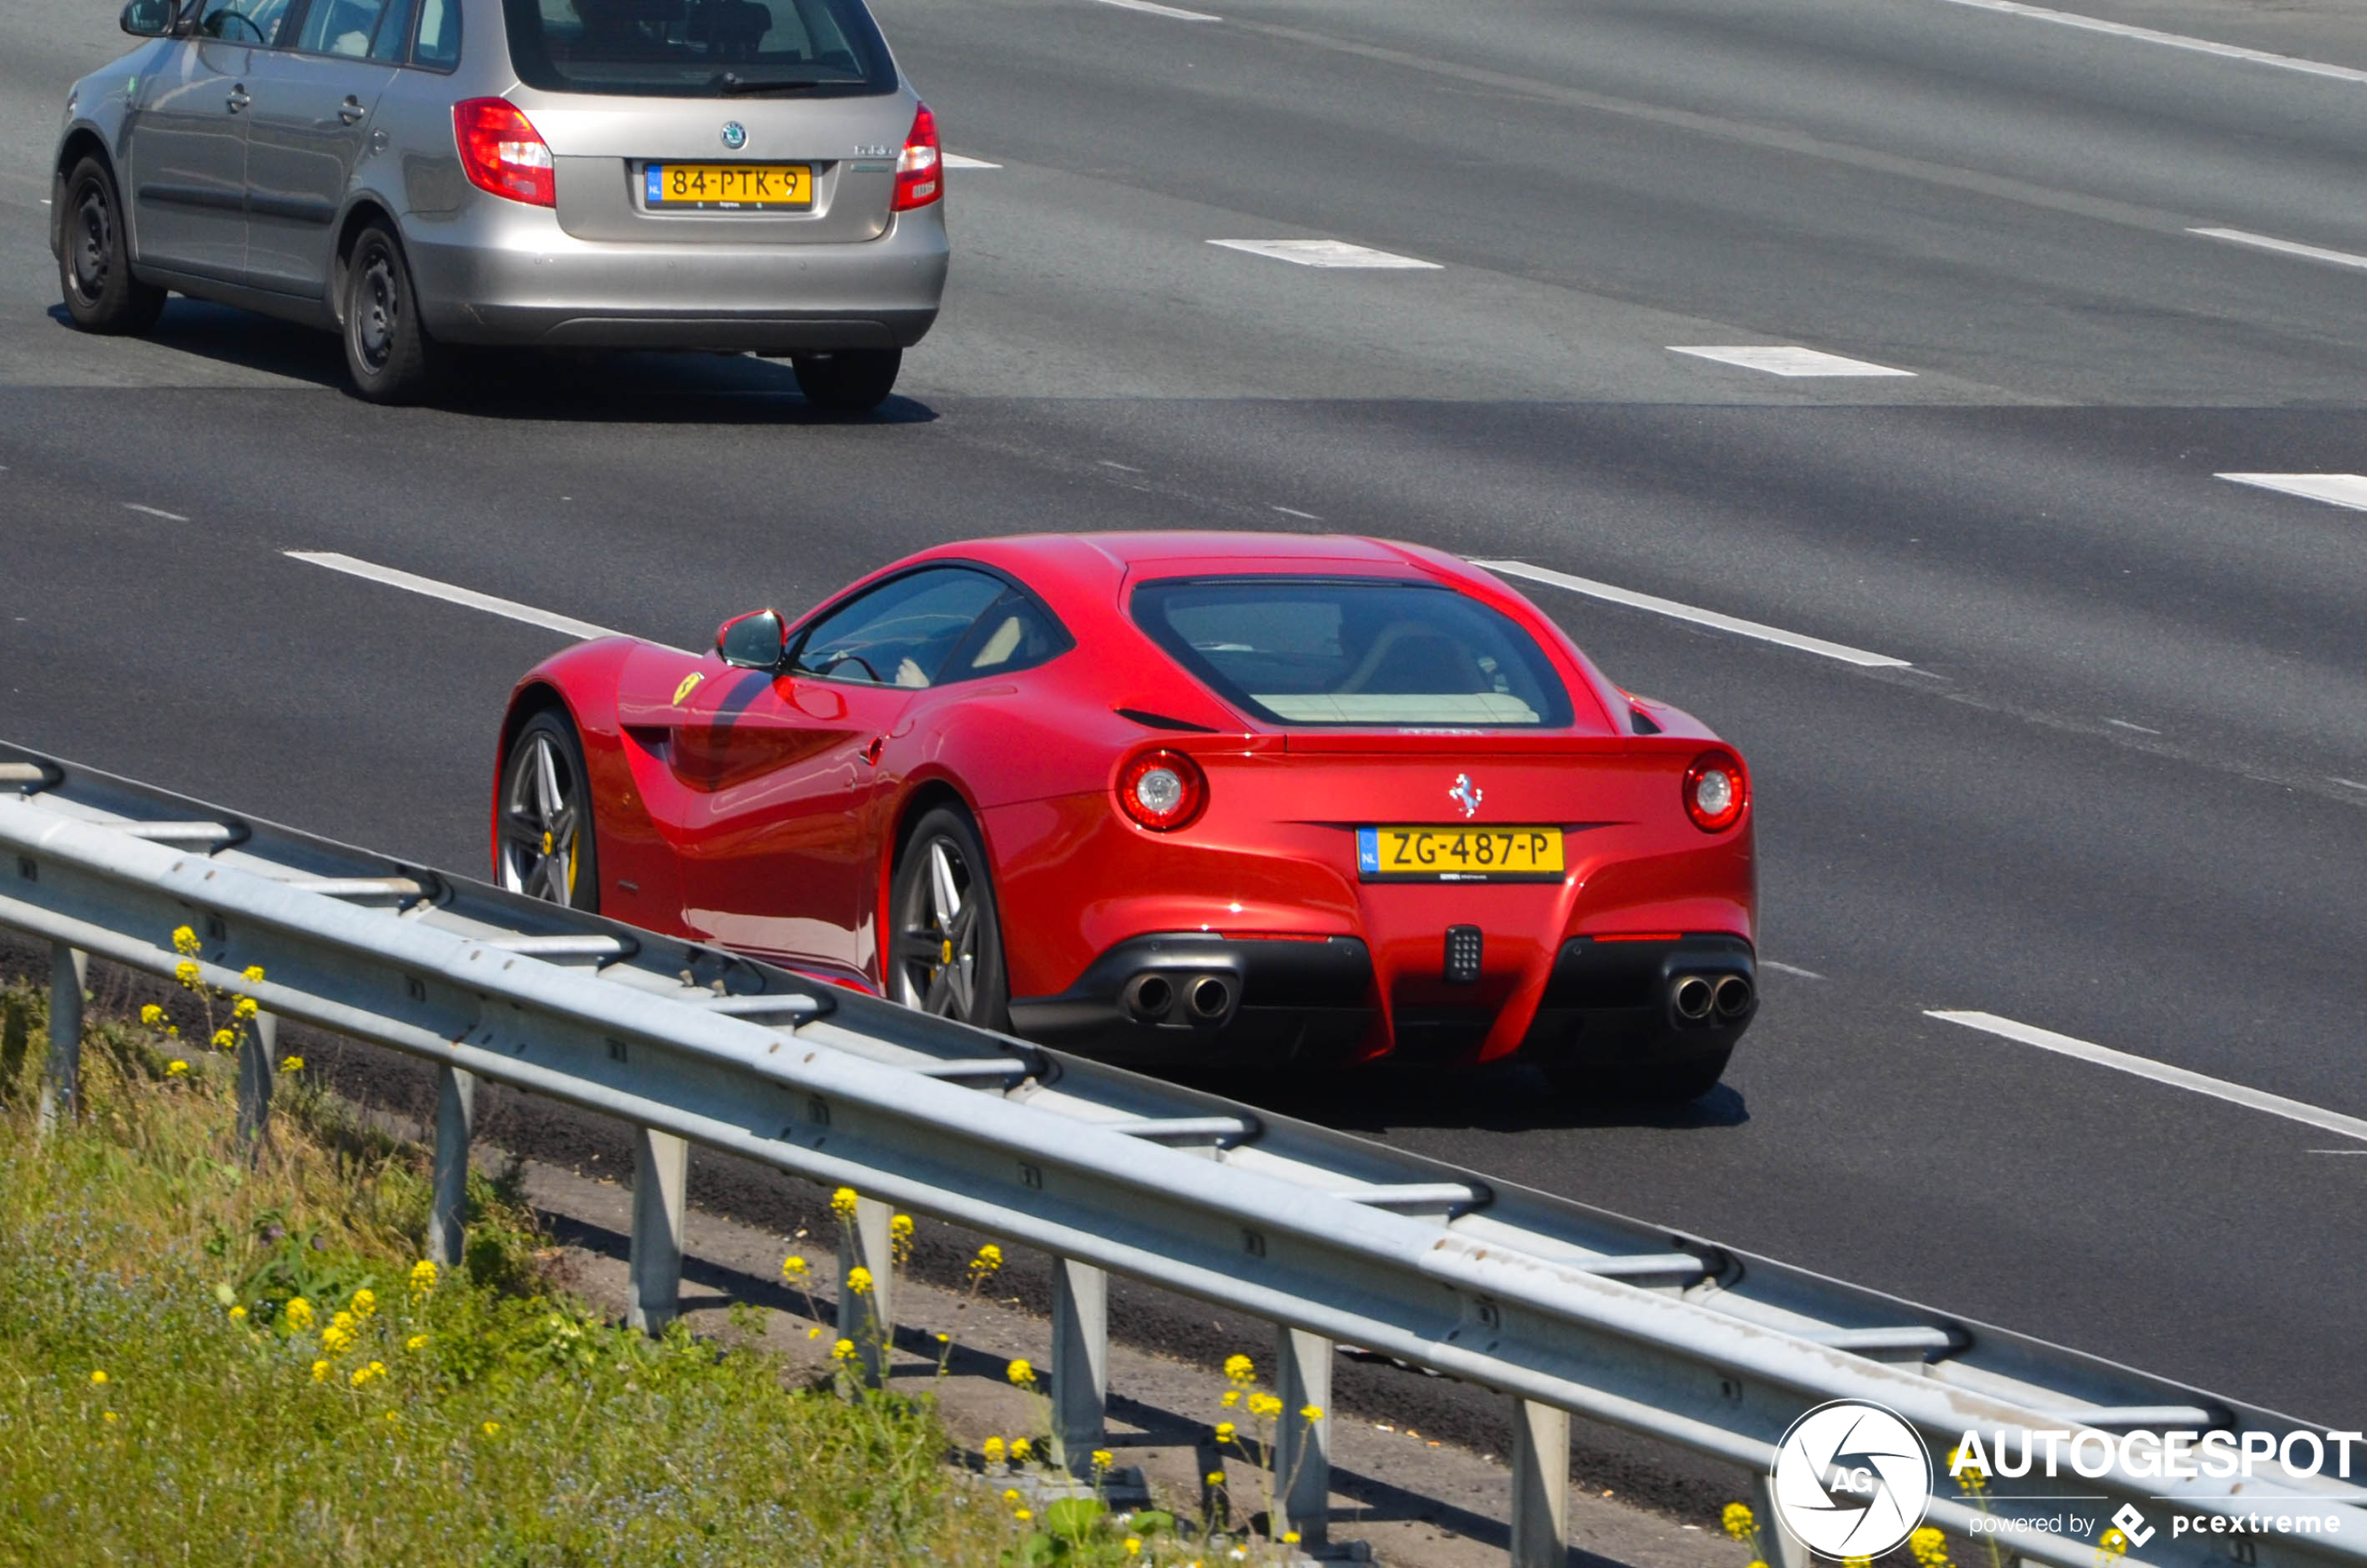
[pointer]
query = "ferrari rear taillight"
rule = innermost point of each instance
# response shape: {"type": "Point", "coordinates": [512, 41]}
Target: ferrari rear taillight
{"type": "Point", "coordinates": [1162, 790]}
{"type": "Point", "coordinates": [920, 169]}
{"type": "Point", "coordinates": [1716, 791]}
{"type": "Point", "coordinates": [503, 152]}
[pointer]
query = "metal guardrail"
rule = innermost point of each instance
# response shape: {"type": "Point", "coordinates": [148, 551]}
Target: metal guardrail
{"type": "Point", "coordinates": [1562, 1307]}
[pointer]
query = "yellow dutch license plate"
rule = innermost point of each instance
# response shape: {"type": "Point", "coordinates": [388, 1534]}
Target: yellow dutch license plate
{"type": "Point", "coordinates": [728, 184]}
{"type": "Point", "coordinates": [1458, 854]}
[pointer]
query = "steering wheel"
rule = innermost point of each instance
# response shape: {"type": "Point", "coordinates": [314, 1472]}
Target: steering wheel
{"type": "Point", "coordinates": [851, 657]}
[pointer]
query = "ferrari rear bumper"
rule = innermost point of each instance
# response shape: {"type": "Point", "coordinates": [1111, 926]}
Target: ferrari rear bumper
{"type": "Point", "coordinates": [1185, 997]}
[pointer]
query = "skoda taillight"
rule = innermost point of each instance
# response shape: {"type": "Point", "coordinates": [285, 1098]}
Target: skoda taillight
{"type": "Point", "coordinates": [503, 152]}
{"type": "Point", "coordinates": [920, 169]}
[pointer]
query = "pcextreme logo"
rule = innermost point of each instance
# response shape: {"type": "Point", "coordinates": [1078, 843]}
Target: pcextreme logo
{"type": "Point", "coordinates": [1851, 1479]}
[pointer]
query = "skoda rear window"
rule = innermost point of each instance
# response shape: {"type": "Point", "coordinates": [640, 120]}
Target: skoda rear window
{"type": "Point", "coordinates": [1354, 651]}
{"type": "Point", "coordinates": [699, 49]}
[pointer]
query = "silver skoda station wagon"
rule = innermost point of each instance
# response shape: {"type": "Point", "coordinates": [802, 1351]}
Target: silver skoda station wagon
{"type": "Point", "coordinates": [726, 175]}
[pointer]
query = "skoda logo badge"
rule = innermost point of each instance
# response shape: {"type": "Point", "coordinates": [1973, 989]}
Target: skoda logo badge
{"type": "Point", "coordinates": [735, 135]}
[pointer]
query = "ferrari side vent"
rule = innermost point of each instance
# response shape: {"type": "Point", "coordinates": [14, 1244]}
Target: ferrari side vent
{"type": "Point", "coordinates": [1160, 721]}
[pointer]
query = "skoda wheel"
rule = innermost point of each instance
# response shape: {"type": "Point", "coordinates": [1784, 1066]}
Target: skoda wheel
{"type": "Point", "coordinates": [544, 845]}
{"type": "Point", "coordinates": [947, 957]}
{"type": "Point", "coordinates": [848, 380]}
{"type": "Point", "coordinates": [94, 264]}
{"type": "Point", "coordinates": [388, 351]}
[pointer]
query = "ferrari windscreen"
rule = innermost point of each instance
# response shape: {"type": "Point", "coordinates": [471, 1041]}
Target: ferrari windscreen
{"type": "Point", "coordinates": [1356, 651]}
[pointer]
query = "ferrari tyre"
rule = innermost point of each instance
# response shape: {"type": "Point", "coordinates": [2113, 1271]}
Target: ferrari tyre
{"type": "Point", "coordinates": [946, 955]}
{"type": "Point", "coordinates": [388, 352]}
{"type": "Point", "coordinates": [1677, 1082]}
{"type": "Point", "coordinates": [544, 845]}
{"type": "Point", "coordinates": [848, 380]}
{"type": "Point", "coordinates": [94, 262]}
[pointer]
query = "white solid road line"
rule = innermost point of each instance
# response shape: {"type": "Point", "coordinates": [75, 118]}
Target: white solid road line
{"type": "Point", "coordinates": [445, 591]}
{"type": "Point", "coordinates": [1326, 253]}
{"type": "Point", "coordinates": [1634, 600]}
{"type": "Point", "coordinates": [1786, 359]}
{"type": "Point", "coordinates": [155, 512]}
{"type": "Point", "coordinates": [2338, 489]}
{"type": "Point", "coordinates": [1789, 969]}
{"type": "Point", "coordinates": [2283, 247]}
{"type": "Point", "coordinates": [2171, 40]}
{"type": "Point", "coordinates": [2160, 1072]}
{"type": "Point", "coordinates": [955, 160]}
{"type": "Point", "coordinates": [1177, 12]}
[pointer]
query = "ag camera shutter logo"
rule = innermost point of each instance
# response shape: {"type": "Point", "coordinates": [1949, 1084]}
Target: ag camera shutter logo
{"type": "Point", "coordinates": [1852, 1478]}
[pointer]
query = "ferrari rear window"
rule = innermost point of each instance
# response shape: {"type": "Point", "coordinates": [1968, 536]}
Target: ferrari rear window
{"type": "Point", "coordinates": [1354, 651]}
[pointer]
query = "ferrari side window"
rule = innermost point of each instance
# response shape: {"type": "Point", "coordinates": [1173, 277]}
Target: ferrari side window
{"type": "Point", "coordinates": [1015, 634]}
{"type": "Point", "coordinates": [899, 634]}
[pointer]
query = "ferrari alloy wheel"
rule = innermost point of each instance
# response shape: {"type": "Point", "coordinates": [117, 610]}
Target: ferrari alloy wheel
{"type": "Point", "coordinates": [948, 954]}
{"type": "Point", "coordinates": [545, 848]}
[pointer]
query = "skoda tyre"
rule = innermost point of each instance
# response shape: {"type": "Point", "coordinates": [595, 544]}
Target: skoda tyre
{"type": "Point", "coordinates": [388, 351]}
{"type": "Point", "coordinates": [94, 261]}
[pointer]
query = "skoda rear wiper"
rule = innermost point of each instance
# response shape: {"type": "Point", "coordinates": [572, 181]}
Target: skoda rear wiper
{"type": "Point", "coordinates": [732, 83]}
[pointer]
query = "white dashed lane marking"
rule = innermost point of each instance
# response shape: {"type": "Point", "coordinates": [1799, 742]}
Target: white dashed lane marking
{"type": "Point", "coordinates": [1326, 253]}
{"type": "Point", "coordinates": [2283, 247]}
{"type": "Point", "coordinates": [2169, 40]}
{"type": "Point", "coordinates": [955, 160]}
{"type": "Point", "coordinates": [1786, 359]}
{"type": "Point", "coordinates": [451, 594]}
{"type": "Point", "coordinates": [154, 511]}
{"type": "Point", "coordinates": [2160, 1072]}
{"type": "Point", "coordinates": [1176, 13]}
{"type": "Point", "coordinates": [1670, 608]}
{"type": "Point", "coordinates": [2336, 489]}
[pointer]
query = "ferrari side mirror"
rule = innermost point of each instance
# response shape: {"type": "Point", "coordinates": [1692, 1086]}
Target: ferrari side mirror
{"type": "Point", "coordinates": [149, 19]}
{"type": "Point", "coordinates": [754, 641]}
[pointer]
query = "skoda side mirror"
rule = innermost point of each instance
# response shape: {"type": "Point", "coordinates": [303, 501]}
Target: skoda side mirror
{"type": "Point", "coordinates": [149, 19]}
{"type": "Point", "coordinates": [754, 641]}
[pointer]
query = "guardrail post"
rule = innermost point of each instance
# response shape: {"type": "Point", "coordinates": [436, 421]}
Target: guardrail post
{"type": "Point", "coordinates": [1540, 1485]}
{"type": "Point", "coordinates": [661, 1171]}
{"type": "Point", "coordinates": [1780, 1549]}
{"type": "Point", "coordinates": [254, 1084]}
{"type": "Point", "coordinates": [61, 1081]}
{"type": "Point", "coordinates": [456, 1115]}
{"type": "Point", "coordinates": [1303, 1448]}
{"type": "Point", "coordinates": [869, 1318]}
{"type": "Point", "coordinates": [1080, 1363]}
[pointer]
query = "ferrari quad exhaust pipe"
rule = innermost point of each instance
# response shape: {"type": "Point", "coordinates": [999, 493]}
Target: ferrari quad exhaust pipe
{"type": "Point", "coordinates": [1692, 997]}
{"type": "Point", "coordinates": [1150, 997]}
{"type": "Point", "coordinates": [1159, 997]}
{"type": "Point", "coordinates": [1732, 998]}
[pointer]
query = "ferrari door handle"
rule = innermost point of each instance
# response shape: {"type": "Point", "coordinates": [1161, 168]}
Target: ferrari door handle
{"type": "Point", "coordinates": [239, 99]}
{"type": "Point", "coordinates": [871, 752]}
{"type": "Point", "coordinates": [351, 110]}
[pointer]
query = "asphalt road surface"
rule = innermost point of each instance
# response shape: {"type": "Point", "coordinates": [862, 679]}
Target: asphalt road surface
{"type": "Point", "coordinates": [2114, 785]}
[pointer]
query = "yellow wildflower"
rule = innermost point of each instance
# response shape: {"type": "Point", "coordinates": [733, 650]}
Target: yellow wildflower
{"type": "Point", "coordinates": [175, 1068]}
{"type": "Point", "coordinates": [1310, 1413]}
{"type": "Point", "coordinates": [1930, 1548]}
{"type": "Point", "coordinates": [1240, 1369]}
{"type": "Point", "coordinates": [299, 1313]}
{"type": "Point", "coordinates": [365, 1301]}
{"type": "Point", "coordinates": [363, 1374]}
{"type": "Point", "coordinates": [291, 1064]}
{"type": "Point", "coordinates": [1021, 1513]}
{"type": "Point", "coordinates": [793, 1267]}
{"type": "Point", "coordinates": [1232, 1398]}
{"type": "Point", "coordinates": [320, 1372]}
{"type": "Point", "coordinates": [237, 1314]}
{"type": "Point", "coordinates": [417, 1342]}
{"type": "Point", "coordinates": [1738, 1520]}
{"type": "Point", "coordinates": [1216, 1478]}
{"type": "Point", "coordinates": [843, 1203]}
{"type": "Point", "coordinates": [336, 1337]}
{"type": "Point", "coordinates": [900, 1225]}
{"type": "Point", "coordinates": [1103, 1459]}
{"type": "Point", "coordinates": [815, 1333]}
{"type": "Point", "coordinates": [98, 1377]}
{"type": "Point", "coordinates": [1021, 1373]}
{"type": "Point", "coordinates": [989, 1258]}
{"type": "Point", "coordinates": [245, 1009]}
{"type": "Point", "coordinates": [152, 1015]}
{"type": "Point", "coordinates": [843, 1351]}
{"type": "Point", "coordinates": [186, 973]}
{"type": "Point", "coordinates": [1265, 1406]}
{"type": "Point", "coordinates": [1225, 1430]}
{"type": "Point", "coordinates": [491, 1427]}
{"type": "Point", "coordinates": [1010, 1494]}
{"type": "Point", "coordinates": [992, 1449]}
{"type": "Point", "coordinates": [225, 1040]}
{"type": "Point", "coordinates": [1290, 1537]}
{"type": "Point", "coordinates": [184, 940]}
{"type": "Point", "coordinates": [858, 1279]}
{"type": "Point", "coordinates": [106, 1415]}
{"type": "Point", "coordinates": [422, 1272]}
{"type": "Point", "coordinates": [1133, 1545]}
{"type": "Point", "coordinates": [1022, 1450]}
{"type": "Point", "coordinates": [390, 1415]}
{"type": "Point", "coordinates": [252, 974]}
